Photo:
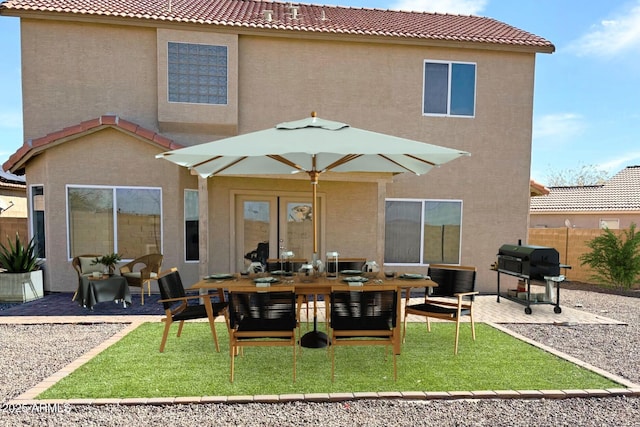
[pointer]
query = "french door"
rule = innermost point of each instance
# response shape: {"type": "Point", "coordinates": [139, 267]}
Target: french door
{"type": "Point", "coordinates": [284, 222]}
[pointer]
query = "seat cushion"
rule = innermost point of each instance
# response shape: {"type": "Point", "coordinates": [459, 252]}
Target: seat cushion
{"type": "Point", "coordinates": [137, 274]}
{"type": "Point", "coordinates": [360, 324]}
{"type": "Point", "coordinates": [198, 312]}
{"type": "Point", "coordinates": [250, 324]}
{"type": "Point", "coordinates": [87, 266]}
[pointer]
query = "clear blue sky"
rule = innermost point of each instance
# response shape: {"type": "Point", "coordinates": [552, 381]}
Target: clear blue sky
{"type": "Point", "coordinates": [587, 94]}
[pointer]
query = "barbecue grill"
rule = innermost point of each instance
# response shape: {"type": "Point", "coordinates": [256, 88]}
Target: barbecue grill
{"type": "Point", "coordinates": [533, 262]}
{"type": "Point", "coordinates": [529, 262]}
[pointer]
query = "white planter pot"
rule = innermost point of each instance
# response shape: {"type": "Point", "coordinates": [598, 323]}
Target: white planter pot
{"type": "Point", "coordinates": [21, 287]}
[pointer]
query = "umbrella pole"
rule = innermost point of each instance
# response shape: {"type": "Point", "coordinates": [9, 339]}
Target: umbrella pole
{"type": "Point", "coordinates": [315, 338]}
{"type": "Point", "coordinates": [314, 214]}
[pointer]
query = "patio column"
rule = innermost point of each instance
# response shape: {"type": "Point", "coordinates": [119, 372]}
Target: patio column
{"type": "Point", "coordinates": [203, 226]}
{"type": "Point", "coordinates": [380, 218]}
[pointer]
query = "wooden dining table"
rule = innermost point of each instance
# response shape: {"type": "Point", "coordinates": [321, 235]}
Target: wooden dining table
{"type": "Point", "coordinates": [320, 285]}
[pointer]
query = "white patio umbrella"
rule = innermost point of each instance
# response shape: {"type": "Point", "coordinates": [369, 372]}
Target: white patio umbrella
{"type": "Point", "coordinates": [313, 146]}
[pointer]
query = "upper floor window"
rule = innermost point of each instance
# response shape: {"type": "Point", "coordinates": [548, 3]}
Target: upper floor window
{"type": "Point", "coordinates": [422, 231]}
{"type": "Point", "coordinates": [197, 73]}
{"type": "Point", "coordinates": [127, 220]}
{"type": "Point", "coordinates": [449, 88]}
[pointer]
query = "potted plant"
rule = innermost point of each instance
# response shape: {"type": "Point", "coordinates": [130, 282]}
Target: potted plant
{"type": "Point", "coordinates": [109, 261]}
{"type": "Point", "coordinates": [20, 276]}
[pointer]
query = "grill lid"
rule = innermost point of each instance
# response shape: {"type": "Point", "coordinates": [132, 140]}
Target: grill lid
{"type": "Point", "coordinates": [529, 252]}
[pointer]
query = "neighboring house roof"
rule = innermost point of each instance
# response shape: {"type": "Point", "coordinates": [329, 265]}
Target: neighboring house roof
{"type": "Point", "coordinates": [9, 178]}
{"type": "Point", "coordinates": [307, 18]}
{"type": "Point", "coordinates": [35, 146]}
{"type": "Point", "coordinates": [537, 189]}
{"type": "Point", "coordinates": [620, 193]}
{"type": "Point", "coordinates": [12, 182]}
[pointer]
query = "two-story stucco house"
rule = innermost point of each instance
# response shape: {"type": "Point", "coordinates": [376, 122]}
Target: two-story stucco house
{"type": "Point", "coordinates": [108, 84]}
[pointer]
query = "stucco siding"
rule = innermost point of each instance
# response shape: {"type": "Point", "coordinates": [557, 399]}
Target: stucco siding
{"type": "Point", "coordinates": [73, 72]}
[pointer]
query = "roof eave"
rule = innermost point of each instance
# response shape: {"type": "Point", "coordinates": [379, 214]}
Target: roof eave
{"type": "Point", "coordinates": [34, 147]}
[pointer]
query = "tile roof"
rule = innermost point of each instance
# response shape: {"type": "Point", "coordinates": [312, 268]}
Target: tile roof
{"type": "Point", "coordinates": [9, 178]}
{"type": "Point", "coordinates": [537, 189]}
{"type": "Point", "coordinates": [620, 193]}
{"type": "Point", "coordinates": [250, 14]}
{"type": "Point", "coordinates": [33, 147]}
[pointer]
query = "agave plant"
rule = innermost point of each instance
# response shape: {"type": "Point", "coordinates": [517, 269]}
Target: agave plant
{"type": "Point", "coordinates": [17, 258]}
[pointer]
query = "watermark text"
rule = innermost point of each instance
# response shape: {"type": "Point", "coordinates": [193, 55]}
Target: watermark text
{"type": "Point", "coordinates": [35, 408]}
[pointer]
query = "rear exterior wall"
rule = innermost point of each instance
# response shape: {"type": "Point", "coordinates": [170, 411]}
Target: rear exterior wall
{"type": "Point", "coordinates": [74, 72]}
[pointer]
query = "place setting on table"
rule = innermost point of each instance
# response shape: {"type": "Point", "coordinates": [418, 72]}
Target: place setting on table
{"type": "Point", "coordinates": [220, 277]}
{"type": "Point", "coordinates": [308, 276]}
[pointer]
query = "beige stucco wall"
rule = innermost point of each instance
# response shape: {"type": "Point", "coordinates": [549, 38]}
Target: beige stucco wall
{"type": "Point", "coordinates": [14, 200]}
{"type": "Point", "coordinates": [75, 72]}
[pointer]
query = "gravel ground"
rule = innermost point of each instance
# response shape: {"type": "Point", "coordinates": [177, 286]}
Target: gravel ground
{"type": "Point", "coordinates": [30, 353]}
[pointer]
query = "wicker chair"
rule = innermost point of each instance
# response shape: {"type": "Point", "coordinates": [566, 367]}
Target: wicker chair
{"type": "Point", "coordinates": [84, 266]}
{"type": "Point", "coordinates": [142, 271]}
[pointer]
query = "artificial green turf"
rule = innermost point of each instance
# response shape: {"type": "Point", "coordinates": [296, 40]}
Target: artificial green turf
{"type": "Point", "coordinates": [189, 366]}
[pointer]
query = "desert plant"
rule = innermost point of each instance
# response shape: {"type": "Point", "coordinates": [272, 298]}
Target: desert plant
{"type": "Point", "coordinates": [17, 258]}
{"type": "Point", "coordinates": [615, 258]}
{"type": "Point", "coordinates": [109, 261]}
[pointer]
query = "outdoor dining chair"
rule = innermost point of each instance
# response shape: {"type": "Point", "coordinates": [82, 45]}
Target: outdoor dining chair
{"type": "Point", "coordinates": [450, 300]}
{"type": "Point", "coordinates": [141, 271]}
{"type": "Point", "coordinates": [177, 309]}
{"type": "Point", "coordinates": [290, 265]}
{"type": "Point", "coordinates": [262, 316]}
{"type": "Point", "coordinates": [363, 316]}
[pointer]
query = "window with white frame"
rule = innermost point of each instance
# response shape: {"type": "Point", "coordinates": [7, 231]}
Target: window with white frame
{"type": "Point", "coordinates": [197, 73]}
{"type": "Point", "coordinates": [37, 219]}
{"type": "Point", "coordinates": [422, 231]}
{"type": "Point", "coordinates": [126, 220]}
{"type": "Point", "coordinates": [191, 226]}
{"type": "Point", "coordinates": [449, 88]}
